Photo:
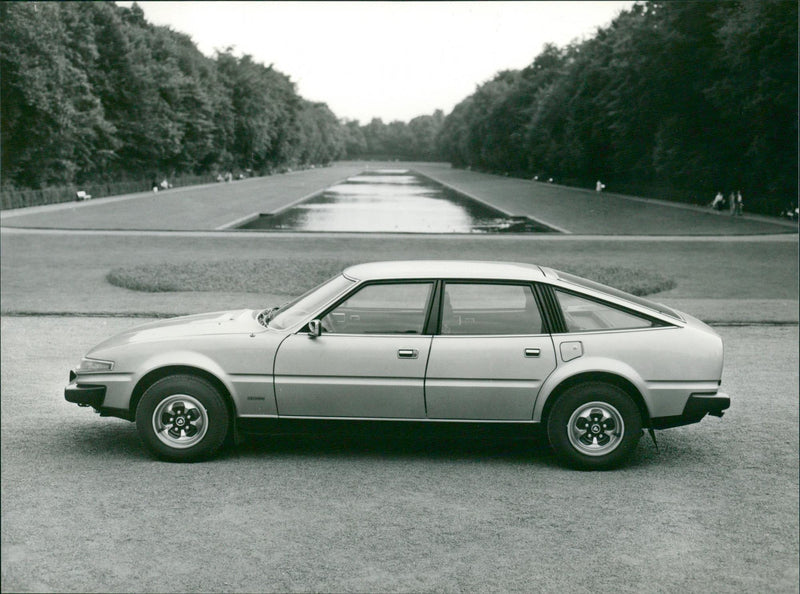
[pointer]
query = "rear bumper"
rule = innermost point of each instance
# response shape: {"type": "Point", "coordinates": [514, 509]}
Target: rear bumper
{"type": "Point", "coordinates": [697, 406]}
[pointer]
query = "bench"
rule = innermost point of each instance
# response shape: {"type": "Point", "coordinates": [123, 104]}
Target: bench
{"type": "Point", "coordinates": [81, 195]}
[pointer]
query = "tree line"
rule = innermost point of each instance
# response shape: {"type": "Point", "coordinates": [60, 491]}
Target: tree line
{"type": "Point", "coordinates": [672, 99]}
{"type": "Point", "coordinates": [412, 141]}
{"type": "Point", "coordinates": [92, 91]}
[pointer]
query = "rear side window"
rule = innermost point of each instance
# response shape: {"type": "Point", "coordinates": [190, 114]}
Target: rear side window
{"type": "Point", "coordinates": [584, 315]}
{"type": "Point", "coordinates": [482, 308]}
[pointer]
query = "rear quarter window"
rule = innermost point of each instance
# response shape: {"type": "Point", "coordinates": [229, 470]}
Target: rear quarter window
{"type": "Point", "coordinates": [582, 314]}
{"type": "Point", "coordinates": [588, 284]}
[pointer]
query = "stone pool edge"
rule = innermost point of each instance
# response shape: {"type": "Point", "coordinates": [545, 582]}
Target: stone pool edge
{"type": "Point", "coordinates": [483, 201]}
{"type": "Point", "coordinates": [235, 224]}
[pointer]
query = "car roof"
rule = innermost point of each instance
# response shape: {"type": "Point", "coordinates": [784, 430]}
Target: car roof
{"type": "Point", "coordinates": [507, 271]}
{"type": "Point", "coordinates": [444, 269]}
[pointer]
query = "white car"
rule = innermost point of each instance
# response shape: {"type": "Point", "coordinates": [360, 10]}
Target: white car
{"type": "Point", "coordinates": [424, 341]}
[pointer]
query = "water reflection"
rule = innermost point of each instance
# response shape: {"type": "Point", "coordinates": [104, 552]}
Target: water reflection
{"type": "Point", "coordinates": [393, 200]}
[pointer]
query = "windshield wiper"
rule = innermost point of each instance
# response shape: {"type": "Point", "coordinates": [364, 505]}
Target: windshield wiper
{"type": "Point", "coordinates": [266, 315]}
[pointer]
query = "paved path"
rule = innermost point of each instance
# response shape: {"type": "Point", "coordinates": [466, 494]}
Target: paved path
{"type": "Point", "coordinates": [215, 206]}
{"type": "Point", "coordinates": [209, 206]}
{"type": "Point", "coordinates": [582, 211]}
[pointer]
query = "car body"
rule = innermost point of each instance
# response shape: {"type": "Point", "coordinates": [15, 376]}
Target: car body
{"type": "Point", "coordinates": [431, 341]}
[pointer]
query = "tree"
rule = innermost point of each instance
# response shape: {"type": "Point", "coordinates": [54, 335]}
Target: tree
{"type": "Point", "coordinates": [672, 98]}
{"type": "Point", "coordinates": [92, 91]}
{"type": "Point", "coordinates": [52, 122]}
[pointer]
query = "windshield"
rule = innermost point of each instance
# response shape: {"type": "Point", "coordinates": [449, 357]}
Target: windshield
{"type": "Point", "coordinates": [292, 312]}
{"type": "Point", "coordinates": [582, 282]}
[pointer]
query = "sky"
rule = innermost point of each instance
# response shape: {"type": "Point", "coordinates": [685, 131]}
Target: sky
{"type": "Point", "coordinates": [392, 60]}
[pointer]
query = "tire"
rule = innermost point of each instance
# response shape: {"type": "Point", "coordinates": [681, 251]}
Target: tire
{"type": "Point", "coordinates": [182, 418]}
{"type": "Point", "coordinates": [594, 426]}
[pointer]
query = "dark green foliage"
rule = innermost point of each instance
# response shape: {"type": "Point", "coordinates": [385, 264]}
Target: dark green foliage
{"type": "Point", "coordinates": [414, 141]}
{"type": "Point", "coordinates": [673, 99]}
{"type": "Point", "coordinates": [53, 122]}
{"type": "Point", "coordinates": [92, 93]}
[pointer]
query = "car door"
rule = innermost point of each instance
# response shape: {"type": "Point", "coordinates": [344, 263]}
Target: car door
{"type": "Point", "coordinates": [369, 360]}
{"type": "Point", "coordinates": [492, 353]}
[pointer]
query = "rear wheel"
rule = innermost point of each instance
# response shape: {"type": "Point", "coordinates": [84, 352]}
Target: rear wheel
{"type": "Point", "coordinates": [594, 426]}
{"type": "Point", "coordinates": [182, 418]}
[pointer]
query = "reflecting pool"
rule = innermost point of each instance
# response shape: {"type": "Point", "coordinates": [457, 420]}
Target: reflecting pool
{"type": "Point", "coordinates": [393, 200]}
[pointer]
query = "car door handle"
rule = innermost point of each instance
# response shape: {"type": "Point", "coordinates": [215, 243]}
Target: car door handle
{"type": "Point", "coordinates": [532, 352]}
{"type": "Point", "coordinates": [407, 353]}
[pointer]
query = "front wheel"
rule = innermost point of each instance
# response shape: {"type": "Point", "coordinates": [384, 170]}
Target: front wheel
{"type": "Point", "coordinates": [182, 418]}
{"type": "Point", "coordinates": [594, 426]}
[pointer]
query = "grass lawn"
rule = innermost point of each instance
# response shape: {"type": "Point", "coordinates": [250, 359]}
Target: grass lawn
{"type": "Point", "coordinates": [293, 275]}
{"type": "Point", "coordinates": [44, 272]}
{"type": "Point", "coordinates": [68, 273]}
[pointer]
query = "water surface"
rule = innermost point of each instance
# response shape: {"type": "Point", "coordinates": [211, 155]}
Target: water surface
{"type": "Point", "coordinates": [393, 200]}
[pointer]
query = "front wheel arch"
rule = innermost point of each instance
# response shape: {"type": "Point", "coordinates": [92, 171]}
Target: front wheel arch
{"type": "Point", "coordinates": [153, 376]}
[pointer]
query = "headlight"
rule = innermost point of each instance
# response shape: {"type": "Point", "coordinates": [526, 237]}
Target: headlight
{"type": "Point", "coordinates": [94, 365]}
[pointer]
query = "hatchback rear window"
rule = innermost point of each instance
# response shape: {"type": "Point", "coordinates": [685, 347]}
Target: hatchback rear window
{"type": "Point", "coordinates": [587, 284]}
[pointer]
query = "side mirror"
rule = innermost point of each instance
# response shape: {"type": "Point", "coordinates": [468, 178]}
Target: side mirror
{"type": "Point", "coordinates": [314, 328]}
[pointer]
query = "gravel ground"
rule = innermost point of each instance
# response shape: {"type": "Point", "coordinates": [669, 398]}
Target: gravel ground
{"type": "Point", "coordinates": [85, 510]}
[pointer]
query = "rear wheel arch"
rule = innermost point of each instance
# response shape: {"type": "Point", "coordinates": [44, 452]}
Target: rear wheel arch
{"type": "Point", "coordinates": [602, 377]}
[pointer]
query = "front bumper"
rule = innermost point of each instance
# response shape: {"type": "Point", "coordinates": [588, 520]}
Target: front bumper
{"type": "Point", "coordinates": [697, 406]}
{"type": "Point", "coordinates": [107, 393]}
{"type": "Point", "coordinates": [85, 395]}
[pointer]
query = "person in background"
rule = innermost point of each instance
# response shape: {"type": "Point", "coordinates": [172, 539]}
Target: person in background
{"type": "Point", "coordinates": [599, 186]}
{"type": "Point", "coordinates": [790, 212]}
{"type": "Point", "coordinates": [732, 203]}
{"type": "Point", "coordinates": [739, 203]}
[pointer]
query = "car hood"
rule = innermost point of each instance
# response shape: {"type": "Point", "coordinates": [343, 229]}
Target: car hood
{"type": "Point", "coordinates": [241, 321]}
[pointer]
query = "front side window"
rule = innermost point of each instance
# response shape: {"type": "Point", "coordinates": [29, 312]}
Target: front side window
{"type": "Point", "coordinates": [392, 308]}
{"type": "Point", "coordinates": [582, 314]}
{"type": "Point", "coordinates": [296, 310]}
{"type": "Point", "coordinates": [483, 308]}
